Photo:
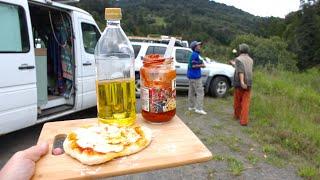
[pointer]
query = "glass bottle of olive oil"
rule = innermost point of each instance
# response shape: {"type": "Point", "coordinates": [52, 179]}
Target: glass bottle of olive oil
{"type": "Point", "coordinates": [116, 101]}
{"type": "Point", "coordinates": [115, 84]}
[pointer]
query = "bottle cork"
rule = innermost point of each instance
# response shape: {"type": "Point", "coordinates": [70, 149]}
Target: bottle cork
{"type": "Point", "coordinates": [113, 13]}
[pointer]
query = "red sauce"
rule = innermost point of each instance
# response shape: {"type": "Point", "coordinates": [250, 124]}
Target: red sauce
{"type": "Point", "coordinates": [158, 93]}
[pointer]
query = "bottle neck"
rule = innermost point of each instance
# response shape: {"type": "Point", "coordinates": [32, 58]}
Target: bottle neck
{"type": "Point", "coordinates": [113, 23]}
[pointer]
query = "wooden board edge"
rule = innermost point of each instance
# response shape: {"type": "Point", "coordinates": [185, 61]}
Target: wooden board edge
{"type": "Point", "coordinates": [157, 167]}
{"type": "Point", "coordinates": [206, 158]}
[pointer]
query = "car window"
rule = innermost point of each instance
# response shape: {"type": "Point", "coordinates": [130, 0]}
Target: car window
{"type": "Point", "coordinates": [182, 56]}
{"type": "Point", "coordinates": [150, 50]}
{"type": "Point", "coordinates": [159, 50]}
{"type": "Point", "coordinates": [14, 30]}
{"type": "Point", "coordinates": [90, 36]}
{"type": "Point", "coordinates": [156, 50]}
{"type": "Point", "coordinates": [136, 49]}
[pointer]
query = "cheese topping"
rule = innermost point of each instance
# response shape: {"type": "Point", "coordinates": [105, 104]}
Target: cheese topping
{"type": "Point", "coordinates": [106, 138]}
{"type": "Point", "coordinates": [113, 131]}
{"type": "Point", "coordinates": [132, 135]}
{"type": "Point", "coordinates": [94, 137]}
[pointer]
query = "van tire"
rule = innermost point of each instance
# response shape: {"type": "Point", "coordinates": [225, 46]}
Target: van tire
{"type": "Point", "coordinates": [219, 87]}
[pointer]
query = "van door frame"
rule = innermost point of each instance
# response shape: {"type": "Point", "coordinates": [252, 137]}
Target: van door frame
{"type": "Point", "coordinates": [76, 98]}
{"type": "Point", "coordinates": [86, 62]}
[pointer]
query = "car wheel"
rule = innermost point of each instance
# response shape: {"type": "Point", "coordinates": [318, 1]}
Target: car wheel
{"type": "Point", "coordinates": [137, 87]}
{"type": "Point", "coordinates": [219, 86]}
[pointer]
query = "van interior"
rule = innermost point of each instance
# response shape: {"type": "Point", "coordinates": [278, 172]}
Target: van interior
{"type": "Point", "coordinates": [55, 64]}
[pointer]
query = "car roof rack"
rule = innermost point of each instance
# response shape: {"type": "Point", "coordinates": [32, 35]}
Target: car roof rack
{"type": "Point", "coordinates": [154, 38]}
{"type": "Point", "coordinates": [62, 1]}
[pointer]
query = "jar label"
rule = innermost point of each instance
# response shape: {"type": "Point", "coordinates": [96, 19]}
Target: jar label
{"type": "Point", "coordinates": [158, 100]}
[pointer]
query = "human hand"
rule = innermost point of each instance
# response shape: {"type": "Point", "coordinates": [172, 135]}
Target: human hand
{"type": "Point", "coordinates": [21, 165]}
{"type": "Point", "coordinates": [232, 62]}
{"type": "Point", "coordinates": [243, 85]}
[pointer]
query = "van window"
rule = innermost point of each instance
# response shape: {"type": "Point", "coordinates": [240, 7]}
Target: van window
{"type": "Point", "coordinates": [14, 30]}
{"type": "Point", "coordinates": [156, 50]}
{"type": "Point", "coordinates": [90, 36]}
{"type": "Point", "coordinates": [136, 49]}
{"type": "Point", "coordinates": [182, 56]}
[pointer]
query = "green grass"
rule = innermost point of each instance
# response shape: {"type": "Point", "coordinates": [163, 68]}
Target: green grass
{"type": "Point", "coordinates": [307, 172]}
{"type": "Point", "coordinates": [273, 156]}
{"type": "Point", "coordinates": [217, 126]}
{"type": "Point", "coordinates": [235, 166]}
{"type": "Point", "coordinates": [218, 157]}
{"type": "Point", "coordinates": [232, 142]}
{"type": "Point", "coordinates": [252, 159]}
{"type": "Point", "coordinates": [285, 115]}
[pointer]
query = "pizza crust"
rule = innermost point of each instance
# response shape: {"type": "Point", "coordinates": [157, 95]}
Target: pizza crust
{"type": "Point", "coordinates": [98, 158]}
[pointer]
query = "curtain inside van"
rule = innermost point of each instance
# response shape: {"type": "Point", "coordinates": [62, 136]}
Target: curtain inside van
{"type": "Point", "coordinates": [10, 34]}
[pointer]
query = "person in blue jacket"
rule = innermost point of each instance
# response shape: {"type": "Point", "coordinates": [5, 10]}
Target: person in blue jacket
{"type": "Point", "coordinates": [196, 90]}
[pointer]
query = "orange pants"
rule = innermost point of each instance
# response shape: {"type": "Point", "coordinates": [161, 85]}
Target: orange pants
{"type": "Point", "coordinates": [241, 105]}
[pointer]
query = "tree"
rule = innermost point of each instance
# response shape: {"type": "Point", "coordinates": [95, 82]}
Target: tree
{"type": "Point", "coordinates": [270, 52]}
{"type": "Point", "coordinates": [308, 38]}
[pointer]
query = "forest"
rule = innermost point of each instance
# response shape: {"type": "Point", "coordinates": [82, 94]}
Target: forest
{"type": "Point", "coordinates": [292, 43]}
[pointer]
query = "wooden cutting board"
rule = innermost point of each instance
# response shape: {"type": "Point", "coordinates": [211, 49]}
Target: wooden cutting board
{"type": "Point", "coordinates": [173, 144]}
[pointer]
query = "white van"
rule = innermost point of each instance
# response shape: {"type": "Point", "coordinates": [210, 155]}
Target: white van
{"type": "Point", "coordinates": [47, 66]}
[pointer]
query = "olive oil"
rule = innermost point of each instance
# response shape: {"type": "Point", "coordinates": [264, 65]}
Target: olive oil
{"type": "Point", "coordinates": [116, 101]}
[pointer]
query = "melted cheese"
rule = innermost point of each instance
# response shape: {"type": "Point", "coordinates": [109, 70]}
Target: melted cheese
{"type": "Point", "coordinates": [106, 138]}
{"type": "Point", "coordinates": [94, 138]}
{"type": "Point", "coordinates": [131, 135]}
{"type": "Point", "coordinates": [113, 131]}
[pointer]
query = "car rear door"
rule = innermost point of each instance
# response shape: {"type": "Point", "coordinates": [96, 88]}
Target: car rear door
{"type": "Point", "coordinates": [182, 56]}
{"type": "Point", "coordinates": [18, 91]}
{"type": "Point", "coordinates": [181, 64]}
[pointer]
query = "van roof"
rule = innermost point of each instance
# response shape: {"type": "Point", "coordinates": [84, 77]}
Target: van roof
{"type": "Point", "coordinates": [60, 5]}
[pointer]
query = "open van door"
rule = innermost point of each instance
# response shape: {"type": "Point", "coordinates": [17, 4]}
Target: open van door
{"type": "Point", "coordinates": [18, 91]}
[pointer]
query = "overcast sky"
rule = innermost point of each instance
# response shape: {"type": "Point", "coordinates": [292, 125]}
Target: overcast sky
{"type": "Point", "coordinates": [276, 8]}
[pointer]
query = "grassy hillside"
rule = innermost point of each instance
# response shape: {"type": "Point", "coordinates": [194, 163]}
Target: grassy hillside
{"type": "Point", "coordinates": [285, 114]}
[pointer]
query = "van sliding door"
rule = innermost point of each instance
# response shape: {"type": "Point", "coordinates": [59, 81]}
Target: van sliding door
{"type": "Point", "coordinates": [18, 91]}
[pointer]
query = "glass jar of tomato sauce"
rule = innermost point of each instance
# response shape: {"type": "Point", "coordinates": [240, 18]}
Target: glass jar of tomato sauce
{"type": "Point", "coordinates": [158, 88]}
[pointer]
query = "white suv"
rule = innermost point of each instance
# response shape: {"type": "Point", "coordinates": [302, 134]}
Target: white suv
{"type": "Point", "coordinates": [216, 77]}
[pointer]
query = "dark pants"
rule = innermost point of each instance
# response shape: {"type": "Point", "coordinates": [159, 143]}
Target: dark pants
{"type": "Point", "coordinates": [241, 105]}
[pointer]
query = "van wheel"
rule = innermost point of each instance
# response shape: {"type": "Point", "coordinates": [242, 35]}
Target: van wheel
{"type": "Point", "coordinates": [219, 86]}
{"type": "Point", "coordinates": [137, 87]}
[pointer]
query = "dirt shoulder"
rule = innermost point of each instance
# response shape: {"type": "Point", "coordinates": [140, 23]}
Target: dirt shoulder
{"type": "Point", "coordinates": [236, 154]}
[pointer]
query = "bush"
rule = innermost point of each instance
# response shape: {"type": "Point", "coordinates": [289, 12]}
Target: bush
{"type": "Point", "coordinates": [268, 53]}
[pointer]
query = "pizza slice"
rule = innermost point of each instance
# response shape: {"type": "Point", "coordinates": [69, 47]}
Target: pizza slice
{"type": "Point", "coordinates": [99, 144]}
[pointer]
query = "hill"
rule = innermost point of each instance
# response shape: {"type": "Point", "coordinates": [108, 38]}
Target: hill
{"type": "Point", "coordinates": [202, 19]}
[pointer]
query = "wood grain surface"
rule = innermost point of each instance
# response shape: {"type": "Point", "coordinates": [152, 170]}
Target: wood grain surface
{"type": "Point", "coordinates": [173, 144]}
